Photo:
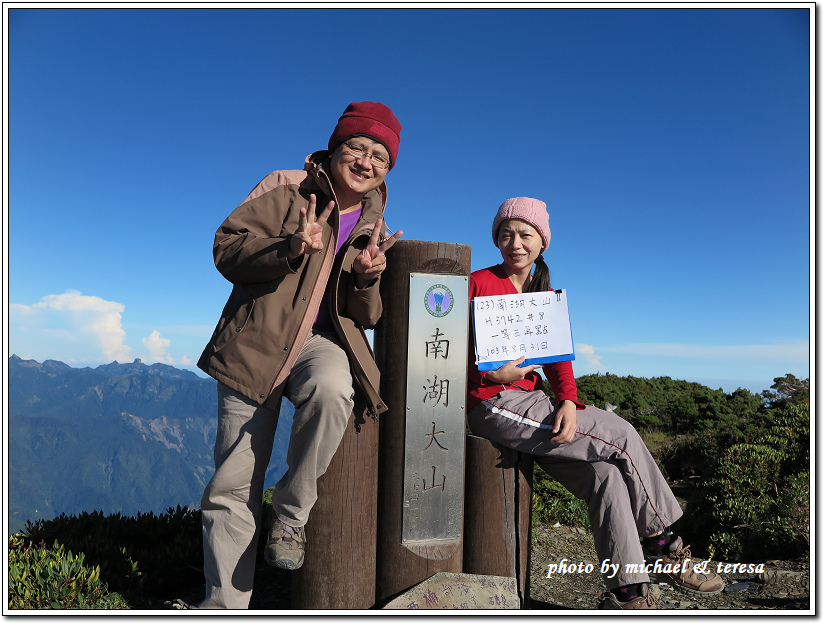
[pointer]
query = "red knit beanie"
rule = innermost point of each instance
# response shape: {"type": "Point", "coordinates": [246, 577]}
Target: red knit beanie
{"type": "Point", "coordinates": [370, 119]}
{"type": "Point", "coordinates": [533, 211]}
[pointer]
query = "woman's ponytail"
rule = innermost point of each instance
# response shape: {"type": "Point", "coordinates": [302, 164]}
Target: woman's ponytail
{"type": "Point", "coordinates": [540, 278]}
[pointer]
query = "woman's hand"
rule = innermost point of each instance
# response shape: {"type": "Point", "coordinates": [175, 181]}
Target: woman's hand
{"type": "Point", "coordinates": [566, 422]}
{"type": "Point", "coordinates": [307, 240]}
{"type": "Point", "coordinates": [510, 371]}
{"type": "Point", "coordinates": [371, 262]}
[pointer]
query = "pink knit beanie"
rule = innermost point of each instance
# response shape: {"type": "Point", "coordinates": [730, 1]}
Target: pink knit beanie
{"type": "Point", "coordinates": [533, 211]}
{"type": "Point", "coordinates": [370, 119]}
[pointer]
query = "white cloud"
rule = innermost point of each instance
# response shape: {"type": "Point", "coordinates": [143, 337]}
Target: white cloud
{"type": "Point", "coordinates": [752, 366]}
{"type": "Point", "coordinates": [158, 348]}
{"type": "Point", "coordinates": [75, 321]}
{"type": "Point", "coordinates": [184, 360]}
{"type": "Point", "coordinates": [794, 353]}
{"type": "Point", "coordinates": [588, 352]}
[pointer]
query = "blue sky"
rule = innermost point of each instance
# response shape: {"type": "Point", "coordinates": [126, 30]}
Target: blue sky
{"type": "Point", "coordinates": [672, 147]}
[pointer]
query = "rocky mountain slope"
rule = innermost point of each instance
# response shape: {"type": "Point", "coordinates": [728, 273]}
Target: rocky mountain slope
{"type": "Point", "coordinates": [122, 438]}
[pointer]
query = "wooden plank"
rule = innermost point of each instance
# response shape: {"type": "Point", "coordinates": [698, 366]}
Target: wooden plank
{"type": "Point", "coordinates": [497, 513]}
{"type": "Point", "coordinates": [339, 568]}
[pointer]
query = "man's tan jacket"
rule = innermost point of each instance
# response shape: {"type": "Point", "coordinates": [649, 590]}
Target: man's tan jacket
{"type": "Point", "coordinates": [273, 304]}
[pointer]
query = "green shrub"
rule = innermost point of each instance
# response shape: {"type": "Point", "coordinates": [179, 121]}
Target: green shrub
{"type": "Point", "coordinates": [42, 578]}
{"type": "Point", "coordinates": [669, 404]}
{"type": "Point", "coordinates": [552, 502]}
{"type": "Point", "coordinates": [741, 492]}
{"type": "Point", "coordinates": [267, 496]}
{"type": "Point", "coordinates": [755, 505]}
{"type": "Point", "coordinates": [148, 554]}
{"type": "Point", "coordinates": [654, 438]}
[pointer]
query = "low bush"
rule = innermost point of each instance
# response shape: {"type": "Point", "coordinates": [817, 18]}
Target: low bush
{"type": "Point", "coordinates": [755, 503]}
{"type": "Point", "coordinates": [689, 455]}
{"type": "Point", "coordinates": [147, 554]}
{"type": "Point", "coordinates": [52, 578]}
{"type": "Point", "coordinates": [552, 502]}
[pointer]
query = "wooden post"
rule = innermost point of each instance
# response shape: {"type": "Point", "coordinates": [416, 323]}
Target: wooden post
{"type": "Point", "coordinates": [339, 568]}
{"type": "Point", "coordinates": [497, 516]}
{"type": "Point", "coordinates": [399, 565]}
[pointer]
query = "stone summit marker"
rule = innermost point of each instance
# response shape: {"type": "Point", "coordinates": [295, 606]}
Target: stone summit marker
{"type": "Point", "coordinates": [433, 486]}
{"type": "Point", "coordinates": [452, 590]}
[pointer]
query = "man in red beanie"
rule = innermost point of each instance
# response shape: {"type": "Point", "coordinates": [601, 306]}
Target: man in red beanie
{"type": "Point", "coordinates": [304, 253]}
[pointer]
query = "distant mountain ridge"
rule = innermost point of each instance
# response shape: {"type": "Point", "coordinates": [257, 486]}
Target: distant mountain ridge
{"type": "Point", "coordinates": [122, 438]}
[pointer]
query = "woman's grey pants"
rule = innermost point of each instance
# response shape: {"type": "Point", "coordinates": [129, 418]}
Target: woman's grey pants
{"type": "Point", "coordinates": [320, 387]}
{"type": "Point", "coordinates": [606, 464]}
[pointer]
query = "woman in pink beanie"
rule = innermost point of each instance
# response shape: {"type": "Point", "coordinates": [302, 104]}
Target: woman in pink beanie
{"type": "Point", "coordinates": [595, 454]}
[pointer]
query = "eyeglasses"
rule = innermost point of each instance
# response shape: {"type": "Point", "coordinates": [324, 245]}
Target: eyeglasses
{"type": "Point", "coordinates": [358, 152]}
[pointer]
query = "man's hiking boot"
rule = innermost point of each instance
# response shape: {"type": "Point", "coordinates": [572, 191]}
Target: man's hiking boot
{"type": "Point", "coordinates": [285, 546]}
{"type": "Point", "coordinates": [646, 601]}
{"type": "Point", "coordinates": [684, 577]}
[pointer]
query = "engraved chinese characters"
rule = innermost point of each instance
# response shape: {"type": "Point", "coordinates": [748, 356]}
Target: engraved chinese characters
{"type": "Point", "coordinates": [446, 590]}
{"type": "Point", "coordinates": [435, 394]}
{"type": "Point", "coordinates": [532, 325]}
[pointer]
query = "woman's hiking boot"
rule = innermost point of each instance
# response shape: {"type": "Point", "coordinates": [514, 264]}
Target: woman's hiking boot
{"type": "Point", "coordinates": [676, 567]}
{"type": "Point", "coordinates": [647, 600]}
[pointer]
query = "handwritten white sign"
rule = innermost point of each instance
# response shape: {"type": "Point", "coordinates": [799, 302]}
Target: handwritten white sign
{"type": "Point", "coordinates": [534, 325]}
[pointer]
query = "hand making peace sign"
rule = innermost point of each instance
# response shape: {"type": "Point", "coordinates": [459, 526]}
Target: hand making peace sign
{"type": "Point", "coordinates": [371, 262]}
{"type": "Point", "coordinates": [307, 240]}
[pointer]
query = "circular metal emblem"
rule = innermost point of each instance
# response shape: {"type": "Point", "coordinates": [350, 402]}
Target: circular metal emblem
{"type": "Point", "coordinates": [438, 300]}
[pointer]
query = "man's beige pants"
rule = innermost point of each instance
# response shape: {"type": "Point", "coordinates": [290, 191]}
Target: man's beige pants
{"type": "Point", "coordinates": [320, 387]}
